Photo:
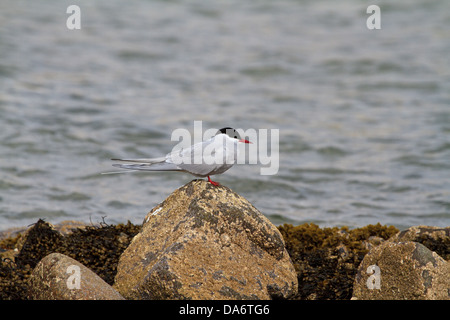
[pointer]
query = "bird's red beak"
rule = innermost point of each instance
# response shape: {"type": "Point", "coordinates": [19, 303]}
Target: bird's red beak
{"type": "Point", "coordinates": [244, 141]}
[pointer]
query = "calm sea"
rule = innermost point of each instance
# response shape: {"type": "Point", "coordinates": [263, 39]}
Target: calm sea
{"type": "Point", "coordinates": [363, 115]}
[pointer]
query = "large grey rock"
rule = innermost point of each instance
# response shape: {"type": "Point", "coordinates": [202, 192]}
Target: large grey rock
{"type": "Point", "coordinates": [206, 242]}
{"type": "Point", "coordinates": [59, 277]}
{"type": "Point", "coordinates": [402, 270]}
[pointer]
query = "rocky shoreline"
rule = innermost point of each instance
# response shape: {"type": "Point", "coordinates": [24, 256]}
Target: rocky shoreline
{"type": "Point", "coordinates": [206, 242]}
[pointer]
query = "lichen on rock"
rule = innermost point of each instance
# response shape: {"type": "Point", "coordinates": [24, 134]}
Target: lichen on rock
{"type": "Point", "coordinates": [406, 271]}
{"type": "Point", "coordinates": [59, 277]}
{"type": "Point", "coordinates": [206, 242]}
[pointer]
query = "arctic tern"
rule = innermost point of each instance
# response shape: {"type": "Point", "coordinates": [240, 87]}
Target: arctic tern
{"type": "Point", "coordinates": [194, 160]}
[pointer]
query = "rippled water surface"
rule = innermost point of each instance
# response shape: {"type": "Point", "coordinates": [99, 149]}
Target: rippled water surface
{"type": "Point", "coordinates": [363, 115]}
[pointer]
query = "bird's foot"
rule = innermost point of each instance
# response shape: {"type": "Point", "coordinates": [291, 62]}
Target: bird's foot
{"type": "Point", "coordinates": [213, 182]}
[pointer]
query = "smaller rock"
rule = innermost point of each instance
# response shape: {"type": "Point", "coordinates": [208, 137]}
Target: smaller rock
{"type": "Point", "coordinates": [404, 270]}
{"type": "Point", "coordinates": [59, 277]}
{"type": "Point", "coordinates": [436, 239]}
{"type": "Point", "coordinates": [415, 232]}
{"type": "Point", "coordinates": [372, 242]}
{"type": "Point", "coordinates": [67, 226]}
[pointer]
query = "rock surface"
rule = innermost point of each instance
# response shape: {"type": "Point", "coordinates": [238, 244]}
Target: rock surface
{"type": "Point", "coordinates": [436, 239]}
{"type": "Point", "coordinates": [59, 277]}
{"type": "Point", "coordinates": [206, 242]}
{"type": "Point", "coordinates": [402, 271]}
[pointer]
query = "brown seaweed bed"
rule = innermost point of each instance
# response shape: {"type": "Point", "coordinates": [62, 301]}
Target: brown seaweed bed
{"type": "Point", "coordinates": [326, 259]}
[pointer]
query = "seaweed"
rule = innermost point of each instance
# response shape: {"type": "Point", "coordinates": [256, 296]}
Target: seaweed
{"type": "Point", "coordinates": [96, 247]}
{"type": "Point", "coordinates": [326, 259]}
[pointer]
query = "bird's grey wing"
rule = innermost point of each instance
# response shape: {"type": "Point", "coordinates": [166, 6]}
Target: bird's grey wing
{"type": "Point", "coordinates": [160, 166]}
{"type": "Point", "coordinates": [151, 164]}
{"type": "Point", "coordinates": [191, 159]}
{"type": "Point", "coordinates": [149, 160]}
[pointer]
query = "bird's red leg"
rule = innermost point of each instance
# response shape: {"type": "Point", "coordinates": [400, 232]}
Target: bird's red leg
{"type": "Point", "coordinates": [213, 182]}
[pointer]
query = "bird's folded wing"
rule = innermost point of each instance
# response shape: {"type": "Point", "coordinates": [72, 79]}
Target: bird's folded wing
{"type": "Point", "coordinates": [202, 159]}
{"type": "Point", "coordinates": [149, 160]}
{"type": "Point", "coordinates": [161, 166]}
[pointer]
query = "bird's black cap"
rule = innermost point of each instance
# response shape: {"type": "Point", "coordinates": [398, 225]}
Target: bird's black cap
{"type": "Point", "coordinates": [230, 132]}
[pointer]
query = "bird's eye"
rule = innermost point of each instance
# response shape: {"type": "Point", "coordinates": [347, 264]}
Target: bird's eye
{"type": "Point", "coordinates": [235, 137]}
